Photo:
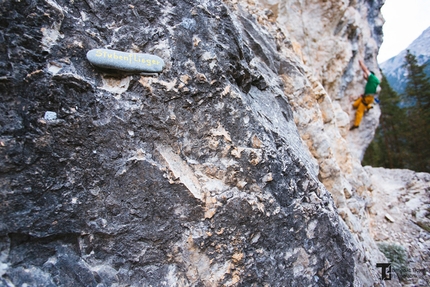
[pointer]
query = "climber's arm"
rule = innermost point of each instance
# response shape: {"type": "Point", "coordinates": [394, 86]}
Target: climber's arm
{"type": "Point", "coordinates": [364, 68]}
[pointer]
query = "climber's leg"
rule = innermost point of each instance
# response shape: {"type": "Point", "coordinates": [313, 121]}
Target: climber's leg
{"type": "Point", "coordinates": [359, 114]}
{"type": "Point", "coordinates": [368, 101]}
{"type": "Point", "coordinates": [357, 102]}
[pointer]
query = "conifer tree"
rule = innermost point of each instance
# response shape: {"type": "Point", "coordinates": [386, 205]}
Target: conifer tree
{"type": "Point", "coordinates": [388, 147]}
{"type": "Point", "coordinates": [402, 139]}
{"type": "Point", "coordinates": [417, 96]}
{"type": "Point", "coordinates": [418, 85]}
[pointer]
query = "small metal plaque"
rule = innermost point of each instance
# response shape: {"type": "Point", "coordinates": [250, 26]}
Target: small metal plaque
{"type": "Point", "coordinates": [131, 62]}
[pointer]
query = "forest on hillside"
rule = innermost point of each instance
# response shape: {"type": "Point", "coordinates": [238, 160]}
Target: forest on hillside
{"type": "Point", "coordinates": [402, 139]}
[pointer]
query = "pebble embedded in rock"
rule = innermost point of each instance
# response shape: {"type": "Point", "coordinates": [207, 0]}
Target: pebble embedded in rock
{"type": "Point", "coordinates": [50, 116]}
{"type": "Point", "coordinates": [389, 218]}
{"type": "Point", "coordinates": [131, 62]}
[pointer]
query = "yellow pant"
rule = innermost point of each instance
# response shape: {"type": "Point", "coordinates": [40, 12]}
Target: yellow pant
{"type": "Point", "coordinates": [362, 104]}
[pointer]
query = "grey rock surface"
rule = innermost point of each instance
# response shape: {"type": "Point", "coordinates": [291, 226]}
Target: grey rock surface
{"type": "Point", "coordinates": [130, 62]}
{"type": "Point", "coordinates": [195, 178]}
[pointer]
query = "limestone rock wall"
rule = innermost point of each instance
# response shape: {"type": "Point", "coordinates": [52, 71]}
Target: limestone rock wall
{"type": "Point", "coordinates": [328, 38]}
{"type": "Point", "coordinates": [229, 168]}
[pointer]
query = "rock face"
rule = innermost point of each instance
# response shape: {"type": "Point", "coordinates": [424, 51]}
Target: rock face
{"type": "Point", "coordinates": [229, 168]}
{"type": "Point", "coordinates": [330, 37]}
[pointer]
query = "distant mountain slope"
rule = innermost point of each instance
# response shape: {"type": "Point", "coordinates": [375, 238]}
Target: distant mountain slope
{"type": "Point", "coordinates": [393, 68]}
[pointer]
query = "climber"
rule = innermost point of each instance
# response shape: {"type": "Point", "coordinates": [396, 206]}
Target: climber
{"type": "Point", "coordinates": [365, 102]}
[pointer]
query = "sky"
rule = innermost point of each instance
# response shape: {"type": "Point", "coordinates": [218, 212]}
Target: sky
{"type": "Point", "coordinates": [405, 20]}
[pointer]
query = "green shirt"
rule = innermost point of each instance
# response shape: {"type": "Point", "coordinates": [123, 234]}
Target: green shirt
{"type": "Point", "coordinates": [371, 85]}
